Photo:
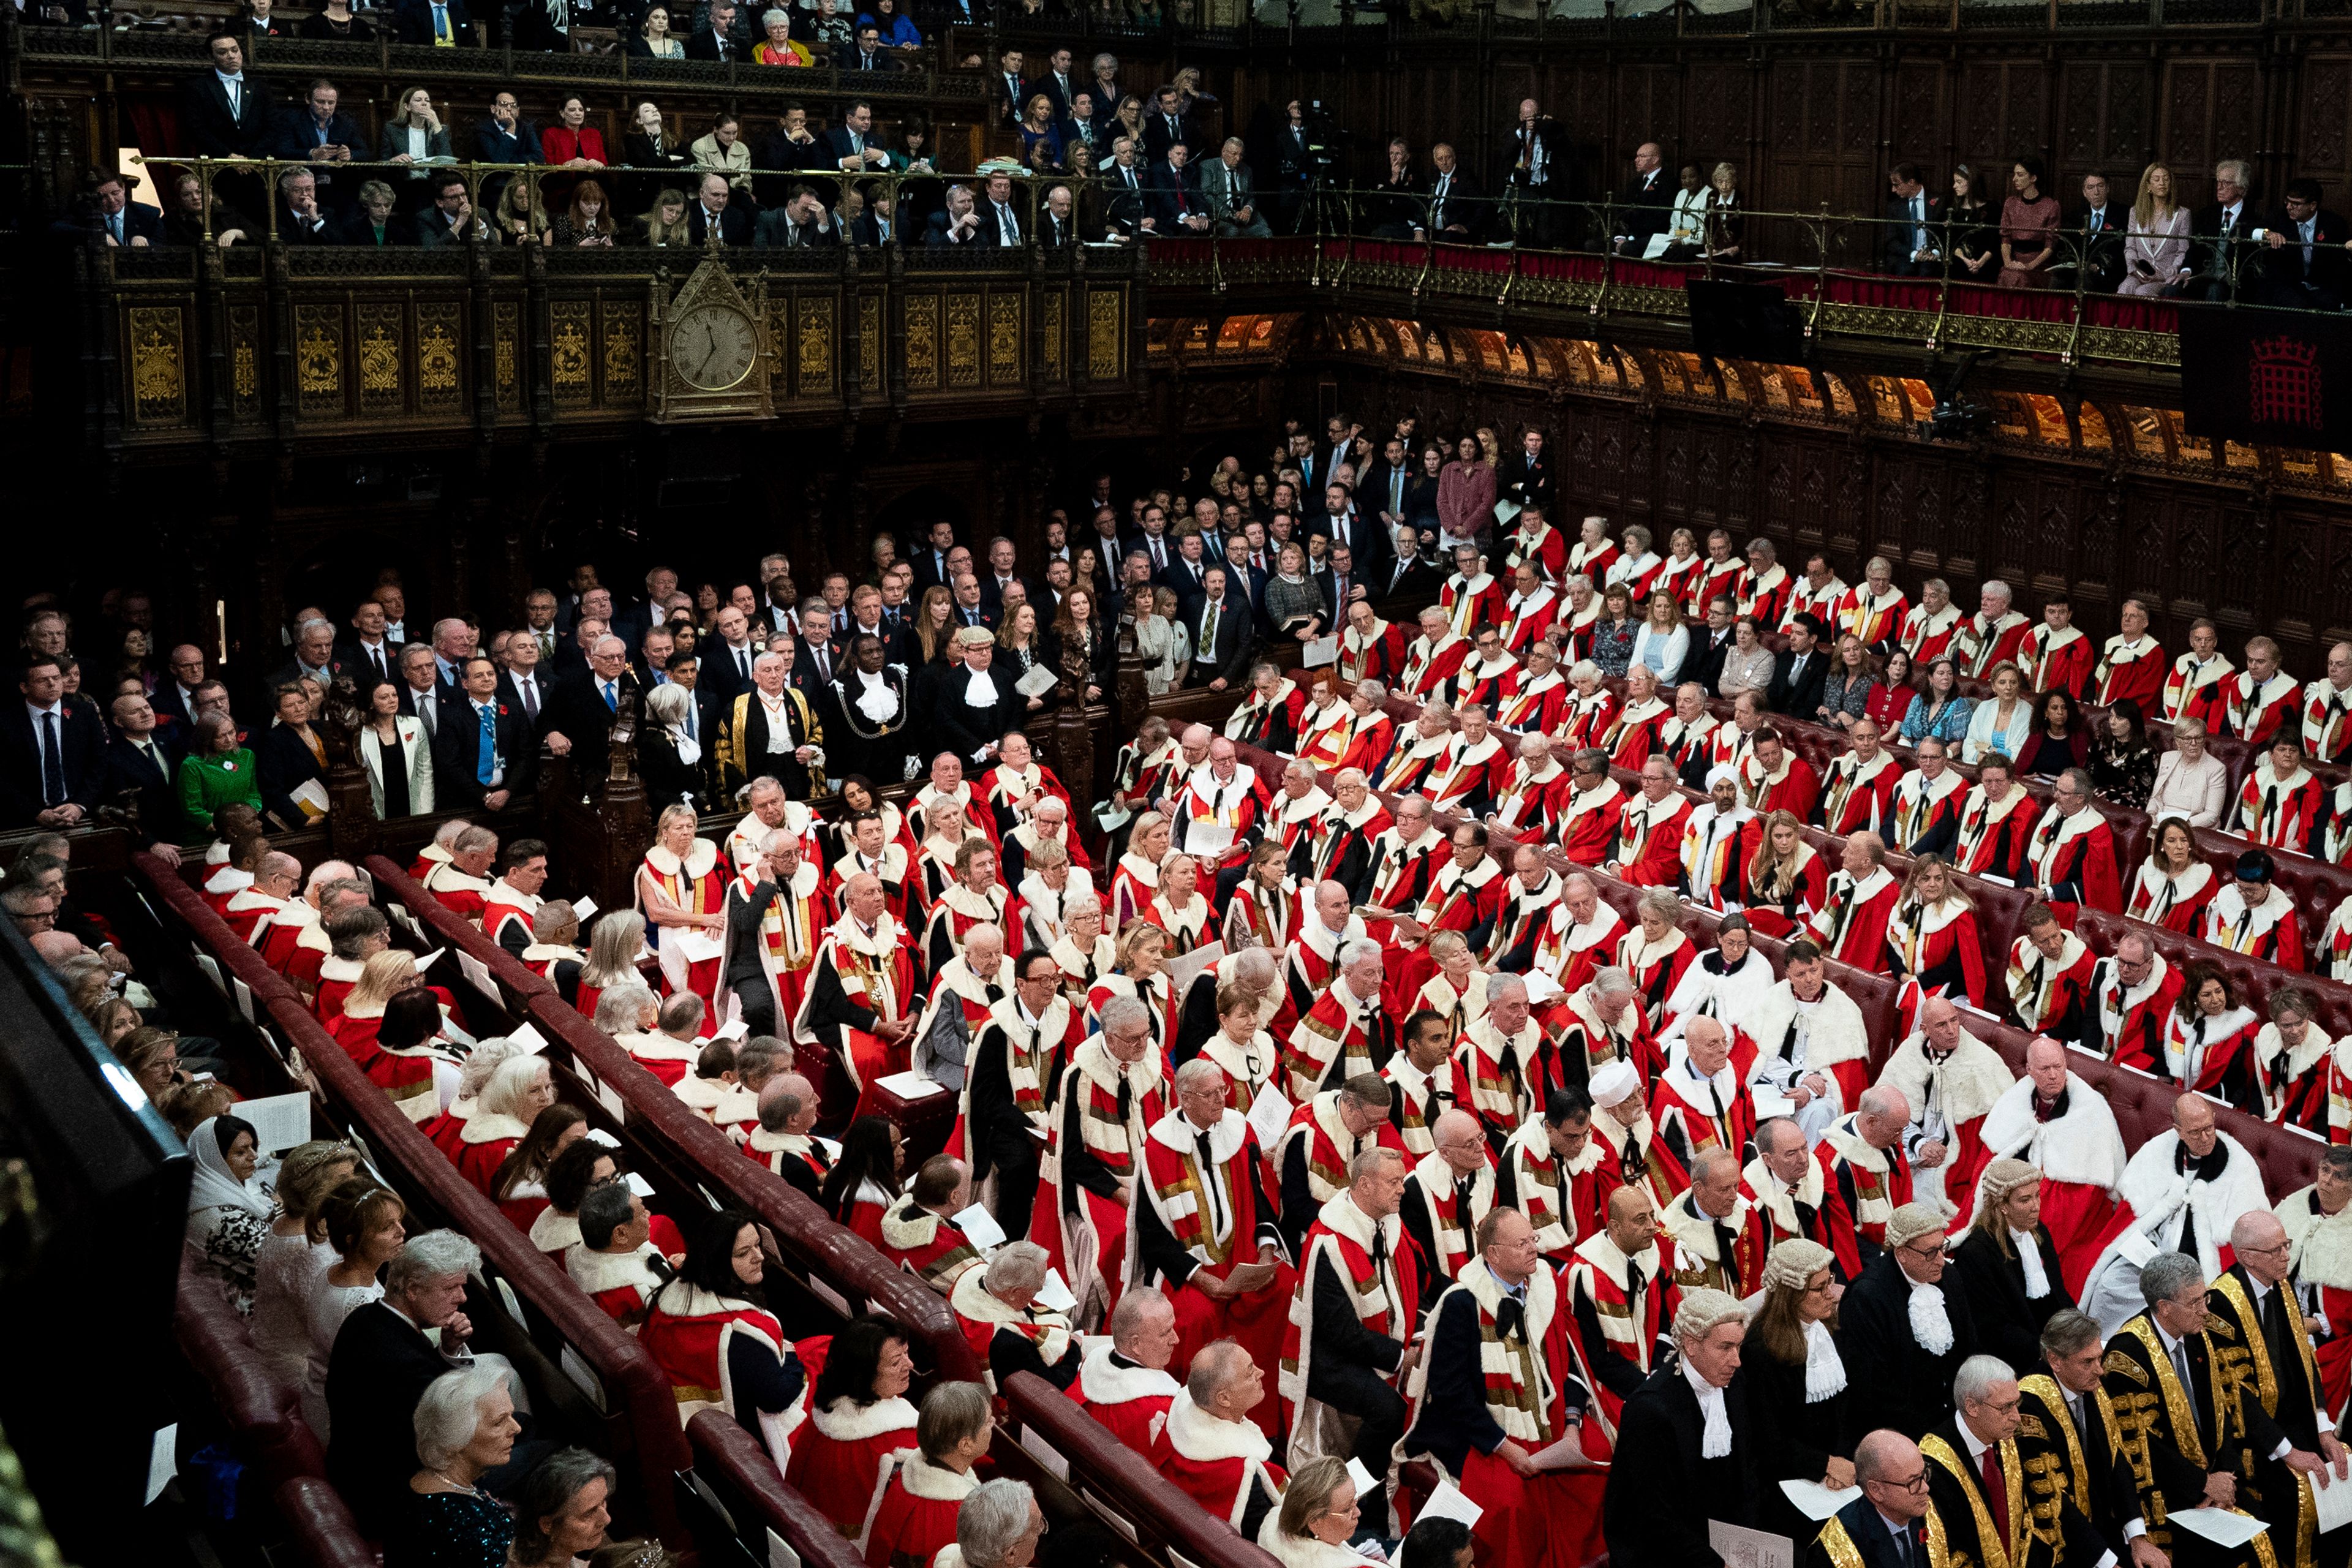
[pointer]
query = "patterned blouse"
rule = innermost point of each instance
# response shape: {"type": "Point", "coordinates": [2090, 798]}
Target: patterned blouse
{"type": "Point", "coordinates": [1949, 721]}
{"type": "Point", "coordinates": [1612, 645]}
{"type": "Point", "coordinates": [448, 1530]}
{"type": "Point", "coordinates": [1850, 697]}
{"type": "Point", "coordinates": [2124, 773]}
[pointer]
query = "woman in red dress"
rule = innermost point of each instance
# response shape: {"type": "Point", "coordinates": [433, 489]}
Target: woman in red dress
{"type": "Point", "coordinates": [859, 1422]}
{"type": "Point", "coordinates": [710, 1332]}
{"type": "Point", "coordinates": [518, 1091]}
{"type": "Point", "coordinates": [682, 887]}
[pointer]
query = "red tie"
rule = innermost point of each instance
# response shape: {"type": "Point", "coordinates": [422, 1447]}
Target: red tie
{"type": "Point", "coordinates": [1996, 1494]}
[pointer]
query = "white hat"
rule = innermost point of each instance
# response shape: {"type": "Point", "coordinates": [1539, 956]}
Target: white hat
{"type": "Point", "coordinates": [1613, 1083]}
{"type": "Point", "coordinates": [1722, 773]}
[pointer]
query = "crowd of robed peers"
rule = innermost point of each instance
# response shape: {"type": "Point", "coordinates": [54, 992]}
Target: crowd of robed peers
{"type": "Point", "coordinates": [1290, 1085]}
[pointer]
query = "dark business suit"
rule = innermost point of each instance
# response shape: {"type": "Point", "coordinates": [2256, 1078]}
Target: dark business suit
{"type": "Point", "coordinates": [2321, 285]}
{"type": "Point", "coordinates": [706, 45]}
{"type": "Point", "coordinates": [457, 749]}
{"type": "Point", "coordinates": [379, 1367]}
{"type": "Point", "coordinates": [576, 710]}
{"type": "Point", "coordinates": [2216, 245]}
{"type": "Point", "coordinates": [734, 225]}
{"type": "Point", "coordinates": [81, 753]}
{"type": "Point", "coordinates": [1161, 131]}
{"type": "Point", "coordinates": [1529, 482]}
{"type": "Point", "coordinates": [1703, 661]}
{"type": "Point", "coordinates": [1649, 202]}
{"type": "Point", "coordinates": [215, 130]}
{"type": "Point", "coordinates": [1797, 682]}
{"type": "Point", "coordinates": [147, 775]}
{"type": "Point", "coordinates": [1897, 241]}
{"type": "Point", "coordinates": [1127, 199]}
{"type": "Point", "coordinates": [1413, 582]}
{"type": "Point", "coordinates": [2099, 235]}
{"type": "Point", "coordinates": [1236, 639]}
{"type": "Point", "coordinates": [415, 22]}
{"type": "Point", "coordinates": [1866, 1527]}
{"type": "Point", "coordinates": [1452, 209]}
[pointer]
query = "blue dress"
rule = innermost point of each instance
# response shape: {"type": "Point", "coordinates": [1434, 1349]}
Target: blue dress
{"type": "Point", "coordinates": [448, 1530]}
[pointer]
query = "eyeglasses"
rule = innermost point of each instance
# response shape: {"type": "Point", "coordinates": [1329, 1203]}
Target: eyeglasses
{"type": "Point", "coordinates": [1918, 1483]}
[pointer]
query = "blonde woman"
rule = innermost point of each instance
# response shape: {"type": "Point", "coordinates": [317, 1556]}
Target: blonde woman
{"type": "Point", "coordinates": [519, 219]}
{"type": "Point", "coordinates": [414, 135]}
{"type": "Point", "coordinates": [1318, 1517]}
{"type": "Point", "coordinates": [2156, 248]}
{"type": "Point", "coordinates": [1931, 938]}
{"type": "Point", "coordinates": [1725, 224]}
{"type": "Point", "coordinates": [614, 945]}
{"type": "Point", "coordinates": [1786, 879]}
{"type": "Point", "coordinates": [1142, 973]}
{"type": "Point", "coordinates": [663, 223]}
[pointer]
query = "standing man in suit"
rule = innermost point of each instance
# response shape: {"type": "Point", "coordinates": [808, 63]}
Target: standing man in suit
{"type": "Point", "coordinates": [931, 562]}
{"type": "Point", "coordinates": [1382, 485]}
{"type": "Point", "coordinates": [442, 23]}
{"type": "Point", "coordinates": [2307, 264]}
{"type": "Point", "coordinates": [314, 656]}
{"type": "Point", "coordinates": [1226, 190]}
{"type": "Point", "coordinates": [1535, 142]}
{"type": "Point", "coordinates": [1911, 243]}
{"type": "Point", "coordinates": [1649, 201]}
{"type": "Point", "coordinates": [1058, 85]}
{"type": "Point", "coordinates": [175, 699]}
{"type": "Point", "coordinates": [580, 716]}
{"type": "Point", "coordinates": [420, 687]}
{"type": "Point", "coordinates": [1526, 478]}
{"type": "Point", "coordinates": [710, 206]}
{"type": "Point", "coordinates": [2103, 224]}
{"type": "Point", "coordinates": [1011, 98]}
{"type": "Point", "coordinates": [1294, 167]}
{"type": "Point", "coordinates": [1163, 127]}
{"type": "Point", "coordinates": [369, 655]}
{"type": "Point", "coordinates": [821, 657]}
{"type": "Point", "coordinates": [1001, 575]}
{"type": "Point", "coordinates": [2209, 271]}
{"type": "Point", "coordinates": [322, 134]}
{"type": "Point", "coordinates": [1453, 209]}
{"type": "Point", "coordinates": [52, 751]}
{"type": "Point", "coordinates": [524, 686]}
{"type": "Point", "coordinates": [1223, 636]}
{"type": "Point", "coordinates": [1347, 526]}
{"type": "Point", "coordinates": [484, 749]}
{"type": "Point", "coordinates": [728, 656]}
{"type": "Point", "coordinates": [141, 761]}
{"type": "Point", "coordinates": [224, 112]}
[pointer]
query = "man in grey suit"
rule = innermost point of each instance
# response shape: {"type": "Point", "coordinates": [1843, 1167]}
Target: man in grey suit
{"type": "Point", "coordinates": [1226, 187]}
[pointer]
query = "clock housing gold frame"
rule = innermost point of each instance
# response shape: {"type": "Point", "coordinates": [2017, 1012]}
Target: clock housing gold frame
{"type": "Point", "coordinates": [712, 286]}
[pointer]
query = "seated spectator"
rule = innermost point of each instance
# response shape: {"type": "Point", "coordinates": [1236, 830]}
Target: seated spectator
{"type": "Point", "coordinates": [2123, 764]}
{"type": "Point", "coordinates": [661, 224]}
{"type": "Point", "coordinates": [1747, 663]}
{"type": "Point", "coordinates": [777, 49]}
{"type": "Point", "coordinates": [653, 41]}
{"type": "Point", "coordinates": [1318, 1519]}
{"type": "Point", "coordinates": [896, 30]}
{"type": "Point", "coordinates": [2173, 884]}
{"type": "Point", "coordinates": [858, 1417]}
{"type": "Point", "coordinates": [710, 1332]}
{"type": "Point", "coordinates": [228, 1216]}
{"type": "Point", "coordinates": [863, 1185]}
{"type": "Point", "coordinates": [1847, 689]}
{"type": "Point", "coordinates": [2209, 1037]}
{"type": "Point", "coordinates": [361, 1221]}
{"type": "Point", "coordinates": [464, 1428]}
{"type": "Point", "coordinates": [588, 223]}
{"type": "Point", "coordinates": [614, 1262]}
{"type": "Point", "coordinates": [2190, 782]}
{"type": "Point", "coordinates": [562, 1510]}
{"type": "Point", "coordinates": [2003, 721]}
{"type": "Point", "coordinates": [573, 143]}
{"type": "Point", "coordinates": [2282, 803]}
{"type": "Point", "coordinates": [926, 1485]}
{"type": "Point", "coordinates": [510, 1102]}
{"type": "Point", "coordinates": [2059, 742]}
{"type": "Point", "coordinates": [517, 218]}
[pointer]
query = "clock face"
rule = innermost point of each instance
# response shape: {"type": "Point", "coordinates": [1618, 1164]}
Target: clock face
{"type": "Point", "coordinates": [713, 347]}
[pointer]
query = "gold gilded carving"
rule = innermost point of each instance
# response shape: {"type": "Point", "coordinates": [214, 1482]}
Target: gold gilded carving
{"type": "Point", "coordinates": [158, 388]}
{"type": "Point", "coordinates": [506, 346]}
{"type": "Point", "coordinates": [1005, 337]}
{"type": "Point", "coordinates": [624, 354]}
{"type": "Point", "coordinates": [379, 339]}
{"type": "Point", "coordinates": [1051, 312]}
{"type": "Point", "coordinates": [568, 350]}
{"type": "Point", "coordinates": [1105, 335]}
{"type": "Point", "coordinates": [815, 347]}
{"type": "Point", "coordinates": [922, 341]}
{"type": "Point", "coordinates": [319, 358]}
{"type": "Point", "coordinates": [963, 339]}
{"type": "Point", "coordinates": [437, 325]}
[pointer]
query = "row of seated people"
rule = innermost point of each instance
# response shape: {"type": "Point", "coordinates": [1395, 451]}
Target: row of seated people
{"type": "Point", "coordinates": [1965, 892]}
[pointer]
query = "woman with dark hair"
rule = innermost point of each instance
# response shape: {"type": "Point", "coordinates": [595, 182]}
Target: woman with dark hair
{"type": "Point", "coordinates": [2123, 764]}
{"type": "Point", "coordinates": [405, 1053]}
{"type": "Point", "coordinates": [562, 1510]}
{"type": "Point", "coordinates": [2059, 741]}
{"type": "Point", "coordinates": [1796, 1380]}
{"type": "Point", "coordinates": [2208, 1041]}
{"type": "Point", "coordinates": [2029, 229]}
{"type": "Point", "coordinates": [2173, 884]}
{"type": "Point", "coordinates": [864, 1182]}
{"type": "Point", "coordinates": [394, 755]}
{"type": "Point", "coordinates": [935, 623]}
{"type": "Point", "coordinates": [1970, 222]}
{"type": "Point", "coordinates": [519, 1187]}
{"type": "Point", "coordinates": [859, 1415]}
{"type": "Point", "coordinates": [363, 1222]}
{"type": "Point", "coordinates": [1077, 648]}
{"type": "Point", "coordinates": [710, 1330]}
{"type": "Point", "coordinates": [580, 1165]}
{"type": "Point", "coordinates": [228, 1217]}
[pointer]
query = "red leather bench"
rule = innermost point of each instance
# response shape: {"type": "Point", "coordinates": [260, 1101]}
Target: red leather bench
{"type": "Point", "coordinates": [263, 1413]}
{"type": "Point", "coordinates": [320, 1526]}
{"type": "Point", "coordinates": [639, 1427]}
{"type": "Point", "coordinates": [654, 1120]}
{"type": "Point", "coordinates": [746, 1496]}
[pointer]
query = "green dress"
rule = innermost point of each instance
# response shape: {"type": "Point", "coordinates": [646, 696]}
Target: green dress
{"type": "Point", "coordinates": [210, 782]}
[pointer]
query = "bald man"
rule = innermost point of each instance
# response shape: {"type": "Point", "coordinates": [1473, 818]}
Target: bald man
{"type": "Point", "coordinates": [1449, 1194]}
{"type": "Point", "coordinates": [1885, 1527]}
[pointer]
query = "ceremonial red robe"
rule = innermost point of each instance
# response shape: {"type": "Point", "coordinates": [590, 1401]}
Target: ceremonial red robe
{"type": "Point", "coordinates": [1131, 1400]}
{"type": "Point", "coordinates": [842, 1458]}
{"type": "Point", "coordinates": [1861, 1189]}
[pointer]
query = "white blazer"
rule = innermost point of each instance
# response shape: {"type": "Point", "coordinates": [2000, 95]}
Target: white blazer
{"type": "Point", "coordinates": [415, 750]}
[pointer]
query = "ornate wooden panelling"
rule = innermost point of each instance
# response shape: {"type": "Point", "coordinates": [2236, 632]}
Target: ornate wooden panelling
{"type": "Point", "coordinates": [621, 367]}
{"type": "Point", "coordinates": [2327, 117]}
{"type": "Point", "coordinates": [963, 339]}
{"type": "Point", "coordinates": [1005, 356]}
{"type": "Point", "coordinates": [1054, 334]}
{"type": "Point", "coordinates": [2211, 112]}
{"type": "Point", "coordinates": [570, 360]}
{"type": "Point", "coordinates": [922, 314]}
{"type": "Point", "coordinates": [245, 362]}
{"type": "Point", "coordinates": [319, 360]}
{"type": "Point", "coordinates": [1106, 334]}
{"type": "Point", "coordinates": [869, 343]}
{"type": "Point", "coordinates": [813, 351]}
{"type": "Point", "coordinates": [382, 337]}
{"type": "Point", "coordinates": [506, 355]}
{"type": "Point", "coordinates": [159, 365]}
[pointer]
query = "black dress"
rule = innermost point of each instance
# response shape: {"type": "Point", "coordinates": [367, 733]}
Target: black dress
{"type": "Point", "coordinates": [395, 775]}
{"type": "Point", "coordinates": [1800, 1437]}
{"type": "Point", "coordinates": [448, 1530]}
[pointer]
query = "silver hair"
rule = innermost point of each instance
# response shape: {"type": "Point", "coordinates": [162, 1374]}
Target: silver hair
{"type": "Point", "coordinates": [1658, 900]}
{"type": "Point", "coordinates": [1609, 981]}
{"type": "Point", "coordinates": [991, 1518]}
{"type": "Point", "coordinates": [449, 1412]}
{"type": "Point", "coordinates": [668, 703]}
{"type": "Point", "coordinates": [1534, 746]}
{"type": "Point", "coordinates": [435, 1255]}
{"type": "Point", "coordinates": [2000, 590]}
{"type": "Point", "coordinates": [1365, 1164]}
{"type": "Point", "coordinates": [1122, 1014]}
{"type": "Point", "coordinates": [1199, 1070]}
{"type": "Point", "coordinates": [1355, 952]}
{"type": "Point", "coordinates": [1504, 985]}
{"type": "Point", "coordinates": [1018, 1266]}
{"type": "Point", "coordinates": [1879, 1100]}
{"type": "Point", "coordinates": [1582, 669]}
{"type": "Point", "coordinates": [1372, 690]}
{"type": "Point", "coordinates": [621, 1008]}
{"type": "Point", "coordinates": [1978, 1377]}
{"type": "Point", "coordinates": [1136, 1308]}
{"type": "Point", "coordinates": [2167, 1274]}
{"type": "Point", "coordinates": [2237, 171]}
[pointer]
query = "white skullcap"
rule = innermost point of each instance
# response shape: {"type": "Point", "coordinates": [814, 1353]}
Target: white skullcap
{"type": "Point", "coordinates": [1613, 1083]}
{"type": "Point", "coordinates": [1722, 773]}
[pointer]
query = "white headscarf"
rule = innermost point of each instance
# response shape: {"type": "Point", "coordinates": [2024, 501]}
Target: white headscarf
{"type": "Point", "coordinates": [214, 1185]}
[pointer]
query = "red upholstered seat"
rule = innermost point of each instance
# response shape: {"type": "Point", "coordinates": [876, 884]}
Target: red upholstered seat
{"type": "Point", "coordinates": [264, 1415]}
{"type": "Point", "coordinates": [325, 1534]}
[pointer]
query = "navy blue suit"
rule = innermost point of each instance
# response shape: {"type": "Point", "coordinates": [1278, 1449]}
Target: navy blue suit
{"type": "Point", "coordinates": [457, 748]}
{"type": "Point", "coordinates": [131, 771]}
{"type": "Point", "coordinates": [81, 748]}
{"type": "Point", "coordinates": [414, 21]}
